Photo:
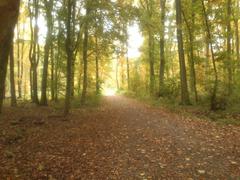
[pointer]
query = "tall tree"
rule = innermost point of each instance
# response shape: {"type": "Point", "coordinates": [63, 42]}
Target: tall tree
{"type": "Point", "coordinates": [162, 47]}
{"type": "Point", "coordinates": [9, 10]}
{"type": "Point", "coordinates": [148, 10]}
{"type": "Point", "coordinates": [184, 86]}
{"type": "Point", "coordinates": [190, 30]}
{"type": "Point", "coordinates": [12, 79]}
{"type": "Point", "coordinates": [229, 46]}
{"type": "Point", "coordinates": [236, 24]}
{"type": "Point", "coordinates": [34, 50]}
{"type": "Point", "coordinates": [20, 60]}
{"type": "Point", "coordinates": [209, 37]}
{"type": "Point", "coordinates": [69, 51]}
{"type": "Point", "coordinates": [48, 8]}
{"type": "Point", "coordinates": [97, 65]}
{"type": "Point", "coordinates": [85, 54]}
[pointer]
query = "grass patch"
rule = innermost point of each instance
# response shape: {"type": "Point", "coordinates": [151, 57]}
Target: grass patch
{"type": "Point", "coordinates": [230, 116]}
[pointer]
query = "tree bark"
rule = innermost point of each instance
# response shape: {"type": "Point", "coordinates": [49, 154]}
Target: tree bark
{"type": "Point", "coordinates": [151, 61]}
{"type": "Point", "coordinates": [183, 75]}
{"type": "Point", "coordinates": [19, 61]}
{"type": "Point", "coordinates": [53, 82]}
{"type": "Point", "coordinates": [236, 21]}
{"type": "Point", "coordinates": [190, 29]}
{"type": "Point", "coordinates": [85, 59]}
{"type": "Point", "coordinates": [237, 36]}
{"type": "Point", "coordinates": [162, 48]}
{"type": "Point", "coordinates": [12, 79]}
{"type": "Point", "coordinates": [128, 67]}
{"type": "Point", "coordinates": [97, 66]}
{"type": "Point", "coordinates": [34, 52]}
{"type": "Point", "coordinates": [69, 50]}
{"type": "Point", "coordinates": [209, 36]}
{"type": "Point", "coordinates": [48, 7]}
{"type": "Point", "coordinates": [9, 10]}
{"type": "Point", "coordinates": [229, 47]}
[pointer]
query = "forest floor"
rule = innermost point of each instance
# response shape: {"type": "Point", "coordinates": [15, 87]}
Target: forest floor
{"type": "Point", "coordinates": [120, 139]}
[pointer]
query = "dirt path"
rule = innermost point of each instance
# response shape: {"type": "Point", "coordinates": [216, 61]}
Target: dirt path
{"type": "Point", "coordinates": [122, 139]}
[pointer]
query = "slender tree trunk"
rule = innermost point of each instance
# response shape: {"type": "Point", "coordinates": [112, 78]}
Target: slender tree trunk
{"type": "Point", "coordinates": [73, 76]}
{"type": "Point", "coordinates": [162, 48]}
{"type": "Point", "coordinates": [122, 67]}
{"type": "Point", "coordinates": [117, 69]}
{"type": "Point", "coordinates": [191, 57]}
{"type": "Point", "coordinates": [34, 84]}
{"type": "Point", "coordinates": [97, 66]}
{"type": "Point", "coordinates": [21, 65]}
{"type": "Point", "coordinates": [12, 79]}
{"type": "Point", "coordinates": [8, 17]}
{"type": "Point", "coordinates": [237, 40]}
{"type": "Point", "coordinates": [183, 75]}
{"type": "Point", "coordinates": [34, 52]}
{"type": "Point", "coordinates": [85, 60]}
{"type": "Point", "coordinates": [80, 77]}
{"type": "Point", "coordinates": [53, 82]}
{"type": "Point", "coordinates": [45, 73]}
{"type": "Point", "coordinates": [48, 6]}
{"type": "Point", "coordinates": [236, 21]}
{"type": "Point", "coordinates": [215, 86]}
{"type": "Point", "coordinates": [18, 64]}
{"type": "Point", "coordinates": [151, 62]}
{"type": "Point", "coordinates": [57, 63]}
{"type": "Point", "coordinates": [69, 51]}
{"type": "Point", "coordinates": [56, 70]}
{"type": "Point", "coordinates": [74, 54]}
{"type": "Point", "coordinates": [128, 67]}
{"type": "Point", "coordinates": [229, 47]}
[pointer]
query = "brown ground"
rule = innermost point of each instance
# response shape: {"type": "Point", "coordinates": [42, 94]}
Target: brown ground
{"type": "Point", "coordinates": [122, 139]}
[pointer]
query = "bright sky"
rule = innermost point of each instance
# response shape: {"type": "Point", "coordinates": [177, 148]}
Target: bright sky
{"type": "Point", "coordinates": [135, 41]}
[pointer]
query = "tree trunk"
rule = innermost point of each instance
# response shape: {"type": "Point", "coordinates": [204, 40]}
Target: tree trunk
{"type": "Point", "coordinates": [19, 84]}
{"type": "Point", "coordinates": [237, 40]}
{"type": "Point", "coordinates": [128, 68]}
{"type": "Point", "coordinates": [85, 60]}
{"type": "Point", "coordinates": [151, 61]}
{"type": "Point", "coordinates": [97, 66]}
{"type": "Point", "coordinates": [56, 69]}
{"type": "Point", "coordinates": [184, 86]}
{"type": "Point", "coordinates": [215, 86]}
{"type": "Point", "coordinates": [69, 51]}
{"type": "Point", "coordinates": [33, 53]}
{"type": "Point", "coordinates": [53, 82]}
{"type": "Point", "coordinates": [162, 48]}
{"type": "Point", "coordinates": [191, 57]}
{"type": "Point", "coordinates": [12, 79]}
{"type": "Point", "coordinates": [8, 17]}
{"type": "Point", "coordinates": [48, 7]}
{"type": "Point", "coordinates": [117, 69]}
{"type": "Point", "coordinates": [229, 53]}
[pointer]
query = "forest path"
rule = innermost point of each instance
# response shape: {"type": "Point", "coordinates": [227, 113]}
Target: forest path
{"type": "Point", "coordinates": [122, 139]}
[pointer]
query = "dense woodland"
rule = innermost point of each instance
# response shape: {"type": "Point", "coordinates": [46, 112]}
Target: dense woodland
{"type": "Point", "coordinates": [175, 114]}
{"type": "Point", "coordinates": [67, 50]}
